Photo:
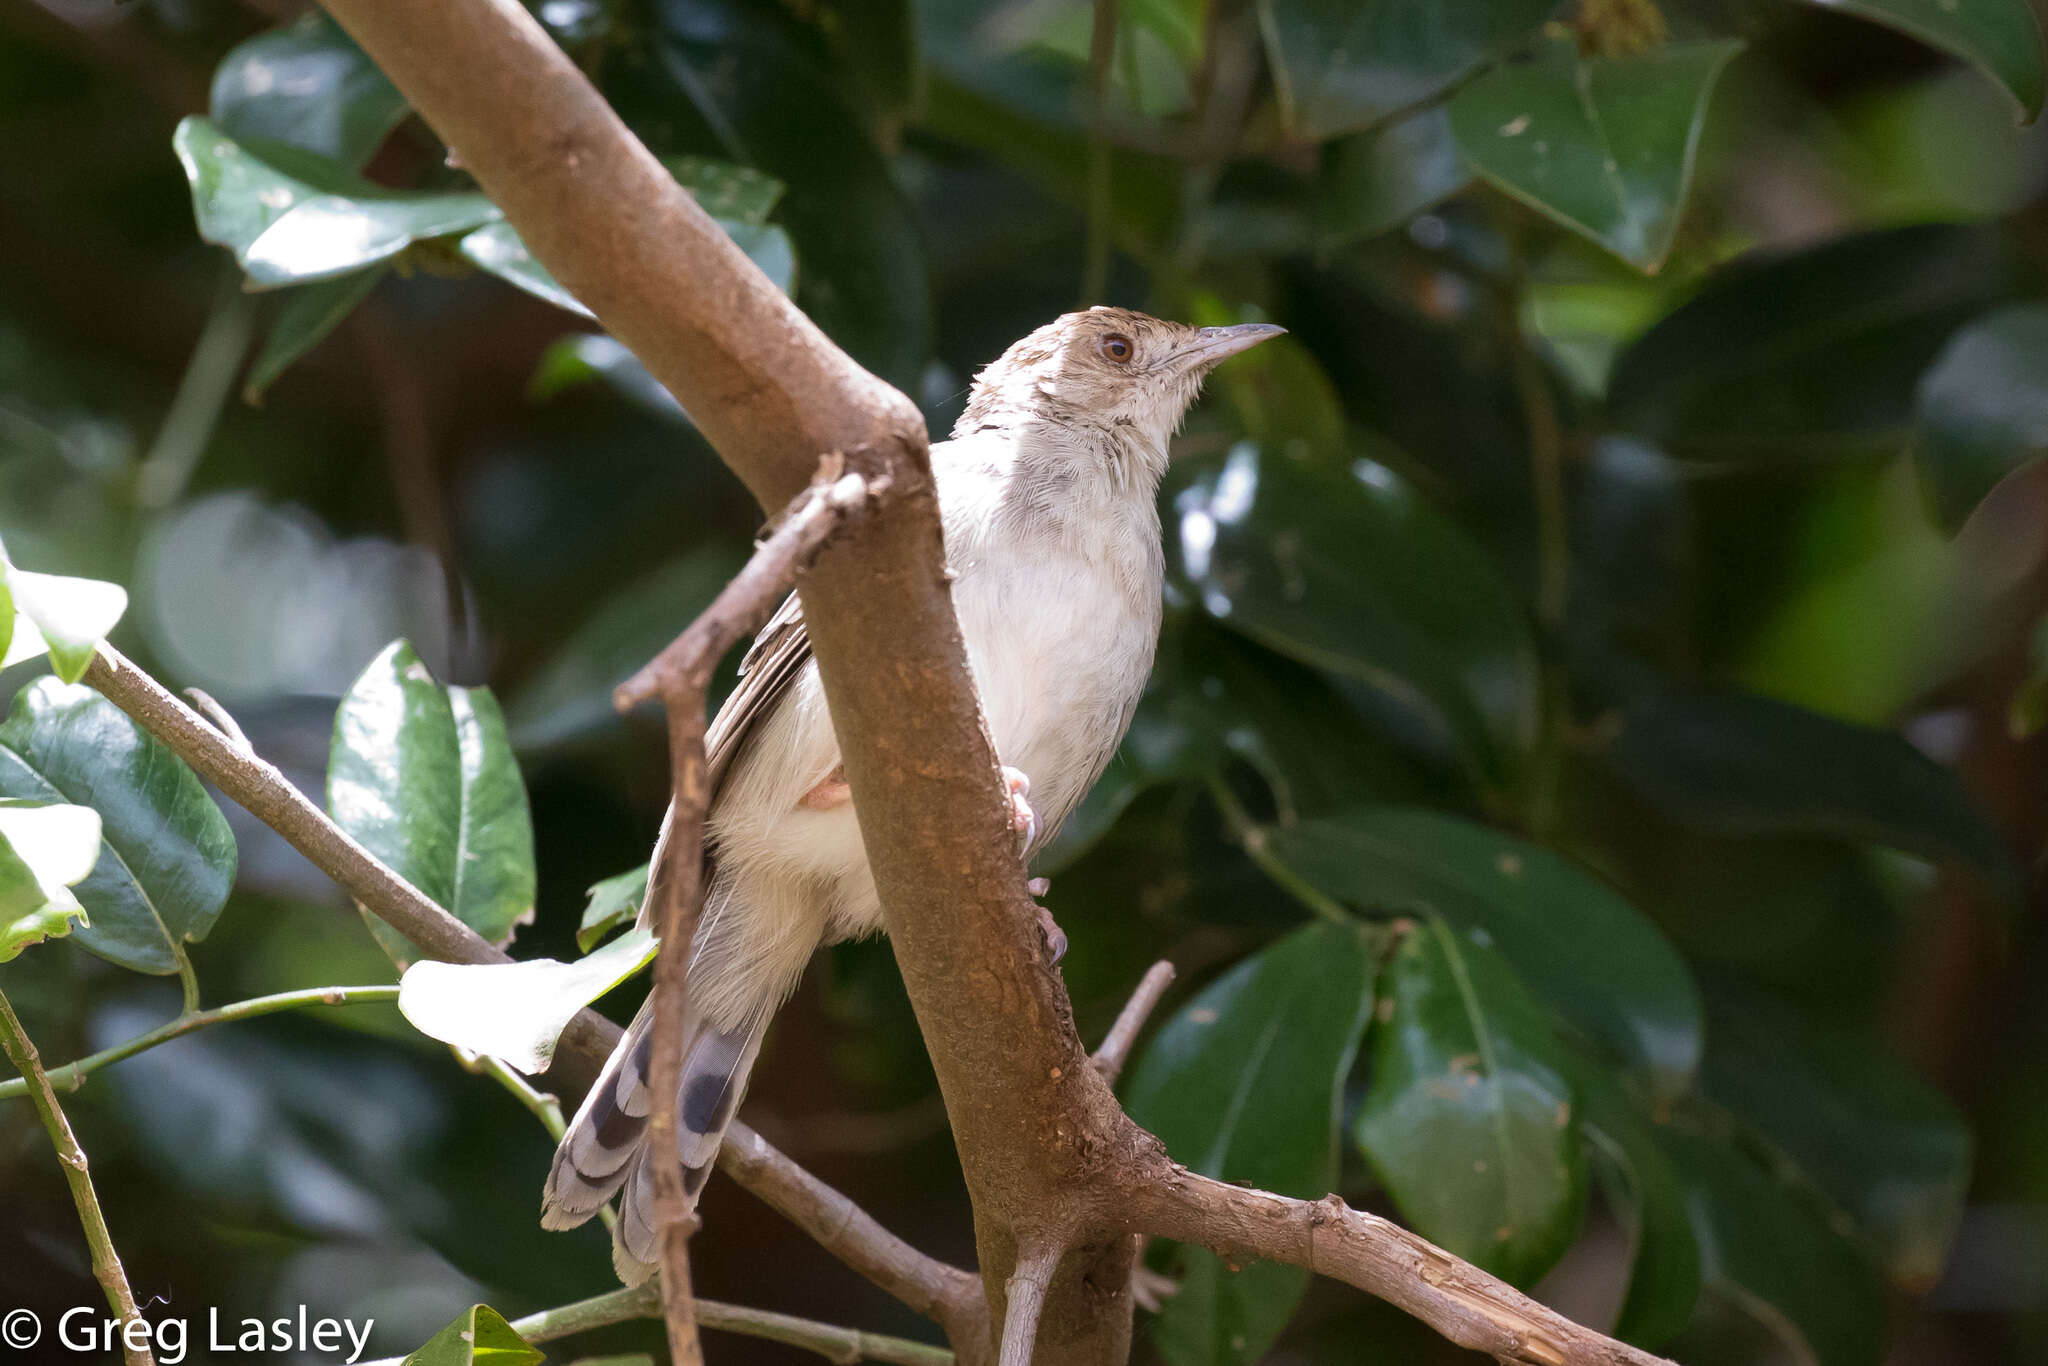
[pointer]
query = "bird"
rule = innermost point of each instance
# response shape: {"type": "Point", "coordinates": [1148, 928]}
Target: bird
{"type": "Point", "coordinates": [1047, 494]}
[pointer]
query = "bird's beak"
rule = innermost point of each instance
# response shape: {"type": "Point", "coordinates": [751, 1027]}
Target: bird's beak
{"type": "Point", "coordinates": [1213, 344]}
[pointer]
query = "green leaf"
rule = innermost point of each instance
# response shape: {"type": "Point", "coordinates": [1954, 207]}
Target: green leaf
{"type": "Point", "coordinates": [2001, 38]}
{"type": "Point", "coordinates": [728, 192]}
{"type": "Point", "coordinates": [45, 849]}
{"type": "Point", "coordinates": [499, 249]}
{"type": "Point", "coordinates": [1375, 181]}
{"type": "Point", "coordinates": [1585, 951]}
{"type": "Point", "coordinates": [1340, 65]}
{"type": "Point", "coordinates": [1245, 1084]}
{"type": "Point", "coordinates": [65, 617]}
{"type": "Point", "coordinates": [613, 902]}
{"type": "Point", "coordinates": [309, 314]}
{"type": "Point", "coordinates": [1752, 766]}
{"type": "Point", "coordinates": [479, 1336]}
{"type": "Point", "coordinates": [1644, 1190]}
{"type": "Point", "coordinates": [166, 858]}
{"type": "Point", "coordinates": [1605, 145]}
{"type": "Point", "coordinates": [292, 218]}
{"type": "Point", "coordinates": [515, 1012]}
{"type": "Point", "coordinates": [308, 85]}
{"type": "Point", "coordinates": [1278, 394]}
{"type": "Point", "coordinates": [2028, 715]}
{"type": "Point", "coordinates": [1468, 1119]}
{"type": "Point", "coordinates": [1809, 353]}
{"type": "Point", "coordinates": [1775, 1256]}
{"type": "Point", "coordinates": [424, 776]}
{"type": "Point", "coordinates": [1883, 1146]}
{"type": "Point", "coordinates": [1355, 574]}
{"type": "Point", "coordinates": [1982, 408]}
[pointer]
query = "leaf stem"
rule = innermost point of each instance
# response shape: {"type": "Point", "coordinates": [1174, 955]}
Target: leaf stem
{"type": "Point", "coordinates": [1251, 837]}
{"type": "Point", "coordinates": [72, 1075]}
{"type": "Point", "coordinates": [188, 979]}
{"type": "Point", "coordinates": [644, 1302]}
{"type": "Point", "coordinates": [106, 1263]}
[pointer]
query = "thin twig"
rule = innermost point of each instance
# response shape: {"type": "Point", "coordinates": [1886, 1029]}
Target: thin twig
{"type": "Point", "coordinates": [106, 1263]}
{"type": "Point", "coordinates": [844, 1345]}
{"type": "Point", "coordinates": [941, 1292]}
{"type": "Point", "coordinates": [222, 720]}
{"type": "Point", "coordinates": [681, 677]}
{"type": "Point", "coordinates": [1116, 1045]}
{"type": "Point", "coordinates": [72, 1075]}
{"type": "Point", "coordinates": [1035, 1268]}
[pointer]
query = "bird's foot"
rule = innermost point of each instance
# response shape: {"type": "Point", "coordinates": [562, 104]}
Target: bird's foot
{"type": "Point", "coordinates": [1152, 1289]}
{"type": "Point", "coordinates": [1023, 819]}
{"type": "Point", "coordinates": [1055, 937]}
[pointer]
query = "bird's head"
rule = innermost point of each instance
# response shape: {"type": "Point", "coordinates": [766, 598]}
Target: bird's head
{"type": "Point", "coordinates": [1132, 375]}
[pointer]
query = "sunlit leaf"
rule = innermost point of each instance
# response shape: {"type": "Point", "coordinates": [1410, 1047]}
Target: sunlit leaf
{"type": "Point", "coordinates": [613, 903]}
{"type": "Point", "coordinates": [515, 1012]}
{"type": "Point", "coordinates": [166, 856]}
{"type": "Point", "coordinates": [1468, 1119]}
{"type": "Point", "coordinates": [498, 248]}
{"type": "Point", "coordinates": [307, 84]}
{"type": "Point", "coordinates": [424, 776]}
{"type": "Point", "coordinates": [45, 849]}
{"type": "Point", "coordinates": [1579, 945]}
{"type": "Point", "coordinates": [478, 1337]}
{"type": "Point", "coordinates": [1244, 1084]}
{"type": "Point", "coordinates": [293, 218]}
{"type": "Point", "coordinates": [1983, 407]}
{"type": "Point", "coordinates": [51, 613]}
{"type": "Point", "coordinates": [1604, 145]}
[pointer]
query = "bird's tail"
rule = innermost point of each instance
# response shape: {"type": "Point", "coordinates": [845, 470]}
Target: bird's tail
{"type": "Point", "coordinates": [605, 1150]}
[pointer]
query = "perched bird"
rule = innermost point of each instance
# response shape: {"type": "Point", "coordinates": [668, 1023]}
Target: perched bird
{"type": "Point", "coordinates": [1046, 491]}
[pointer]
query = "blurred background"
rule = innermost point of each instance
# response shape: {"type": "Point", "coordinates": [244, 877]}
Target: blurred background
{"type": "Point", "coordinates": [1649, 482]}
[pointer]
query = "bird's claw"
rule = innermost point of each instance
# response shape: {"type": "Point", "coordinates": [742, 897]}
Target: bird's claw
{"type": "Point", "coordinates": [1023, 819]}
{"type": "Point", "coordinates": [1055, 937]}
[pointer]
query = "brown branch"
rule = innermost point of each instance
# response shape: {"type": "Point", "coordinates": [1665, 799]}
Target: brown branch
{"type": "Point", "coordinates": [106, 1263]}
{"type": "Point", "coordinates": [1328, 1237]}
{"type": "Point", "coordinates": [1123, 1035]}
{"type": "Point", "coordinates": [681, 677]}
{"type": "Point", "coordinates": [1035, 1269]}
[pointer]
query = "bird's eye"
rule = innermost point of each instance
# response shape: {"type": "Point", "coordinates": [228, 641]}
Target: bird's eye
{"type": "Point", "coordinates": [1116, 347]}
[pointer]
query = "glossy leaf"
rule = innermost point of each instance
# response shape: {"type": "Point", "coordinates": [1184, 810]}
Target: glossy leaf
{"type": "Point", "coordinates": [308, 85]}
{"type": "Point", "coordinates": [2001, 38]}
{"type": "Point", "coordinates": [1468, 1118]}
{"type": "Point", "coordinates": [614, 902]}
{"type": "Point", "coordinates": [46, 848]}
{"type": "Point", "coordinates": [1356, 574]}
{"type": "Point", "coordinates": [1605, 145]}
{"type": "Point", "coordinates": [1982, 408]}
{"type": "Point", "coordinates": [1750, 765]}
{"type": "Point", "coordinates": [1884, 1147]}
{"type": "Point", "coordinates": [1340, 65]}
{"type": "Point", "coordinates": [1808, 353]}
{"type": "Point", "coordinates": [1375, 181]}
{"type": "Point", "coordinates": [1584, 950]}
{"type": "Point", "coordinates": [166, 858]}
{"type": "Point", "coordinates": [291, 218]}
{"type": "Point", "coordinates": [728, 192]}
{"type": "Point", "coordinates": [309, 313]}
{"type": "Point", "coordinates": [479, 1336]}
{"type": "Point", "coordinates": [1244, 1084]}
{"type": "Point", "coordinates": [1773, 1254]}
{"type": "Point", "coordinates": [515, 1012]}
{"type": "Point", "coordinates": [498, 248]}
{"type": "Point", "coordinates": [424, 776]}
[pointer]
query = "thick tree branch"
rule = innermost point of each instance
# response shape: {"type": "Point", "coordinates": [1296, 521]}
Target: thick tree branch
{"type": "Point", "coordinates": [106, 1264]}
{"type": "Point", "coordinates": [1330, 1238]}
{"type": "Point", "coordinates": [681, 677]}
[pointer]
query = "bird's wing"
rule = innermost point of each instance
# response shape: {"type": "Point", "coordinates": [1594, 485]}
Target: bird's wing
{"type": "Point", "coordinates": [767, 671]}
